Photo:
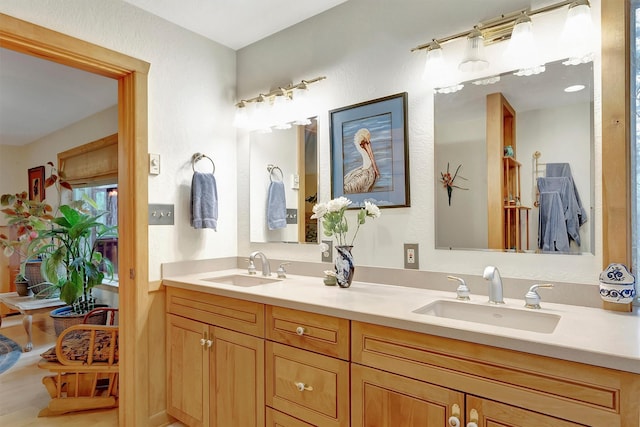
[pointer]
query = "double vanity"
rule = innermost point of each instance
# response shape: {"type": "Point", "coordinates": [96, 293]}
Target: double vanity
{"type": "Point", "coordinates": [291, 352]}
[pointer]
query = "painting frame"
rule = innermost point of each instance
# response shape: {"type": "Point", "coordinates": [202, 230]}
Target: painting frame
{"type": "Point", "coordinates": [36, 184]}
{"type": "Point", "coordinates": [384, 121]}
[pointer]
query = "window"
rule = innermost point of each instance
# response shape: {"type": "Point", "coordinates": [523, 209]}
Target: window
{"type": "Point", "coordinates": [106, 198]}
{"type": "Point", "coordinates": [92, 171]}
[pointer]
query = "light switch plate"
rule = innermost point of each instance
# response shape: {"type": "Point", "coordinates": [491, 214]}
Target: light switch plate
{"type": "Point", "coordinates": [160, 214]}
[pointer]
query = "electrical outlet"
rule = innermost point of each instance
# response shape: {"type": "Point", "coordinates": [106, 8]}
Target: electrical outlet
{"type": "Point", "coordinates": [411, 255]}
{"type": "Point", "coordinates": [327, 256]}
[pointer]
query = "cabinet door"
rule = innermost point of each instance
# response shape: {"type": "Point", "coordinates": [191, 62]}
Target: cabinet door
{"type": "Point", "coordinates": [382, 399]}
{"type": "Point", "coordinates": [237, 380]}
{"type": "Point", "coordinates": [188, 364]}
{"type": "Point", "coordinates": [494, 414]}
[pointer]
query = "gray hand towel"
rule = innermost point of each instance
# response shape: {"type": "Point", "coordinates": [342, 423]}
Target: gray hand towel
{"type": "Point", "coordinates": [552, 228]}
{"type": "Point", "coordinates": [276, 206]}
{"type": "Point", "coordinates": [204, 201]}
{"type": "Point", "coordinates": [564, 186]}
{"type": "Point", "coordinates": [564, 169]}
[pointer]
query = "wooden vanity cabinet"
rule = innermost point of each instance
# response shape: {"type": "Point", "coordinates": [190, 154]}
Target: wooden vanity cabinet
{"type": "Point", "coordinates": [215, 357]}
{"type": "Point", "coordinates": [315, 370]}
{"type": "Point", "coordinates": [504, 387]}
{"type": "Point", "coordinates": [307, 369]}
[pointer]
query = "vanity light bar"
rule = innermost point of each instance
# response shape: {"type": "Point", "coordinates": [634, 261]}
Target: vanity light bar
{"type": "Point", "coordinates": [287, 90]}
{"type": "Point", "coordinates": [499, 29]}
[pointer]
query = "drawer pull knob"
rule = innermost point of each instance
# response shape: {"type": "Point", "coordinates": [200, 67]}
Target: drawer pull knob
{"type": "Point", "coordinates": [303, 387]}
{"type": "Point", "coordinates": [202, 341]}
{"type": "Point", "coordinates": [209, 343]}
{"type": "Point", "coordinates": [454, 422]}
{"type": "Point", "coordinates": [300, 330]}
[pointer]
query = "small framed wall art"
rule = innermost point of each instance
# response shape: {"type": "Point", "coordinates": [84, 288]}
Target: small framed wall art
{"type": "Point", "coordinates": [36, 184]}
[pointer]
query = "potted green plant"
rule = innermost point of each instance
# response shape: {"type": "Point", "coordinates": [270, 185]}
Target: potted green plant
{"type": "Point", "coordinates": [71, 263]}
{"type": "Point", "coordinates": [28, 218]}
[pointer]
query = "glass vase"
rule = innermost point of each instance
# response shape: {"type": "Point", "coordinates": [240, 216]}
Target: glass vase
{"type": "Point", "coordinates": [344, 266]}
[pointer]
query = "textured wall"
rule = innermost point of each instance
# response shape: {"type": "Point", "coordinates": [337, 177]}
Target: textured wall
{"type": "Point", "coordinates": [191, 94]}
{"type": "Point", "coordinates": [363, 47]}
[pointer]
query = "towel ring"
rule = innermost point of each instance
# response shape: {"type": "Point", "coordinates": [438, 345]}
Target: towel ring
{"type": "Point", "coordinates": [271, 169]}
{"type": "Point", "coordinates": [199, 156]}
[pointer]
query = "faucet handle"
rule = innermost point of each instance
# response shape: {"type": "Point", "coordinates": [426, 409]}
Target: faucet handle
{"type": "Point", "coordinates": [282, 274]}
{"type": "Point", "coordinates": [463, 290]}
{"type": "Point", "coordinates": [532, 298]}
{"type": "Point", "coordinates": [252, 267]}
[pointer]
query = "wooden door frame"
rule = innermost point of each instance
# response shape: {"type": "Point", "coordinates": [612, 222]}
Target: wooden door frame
{"type": "Point", "coordinates": [131, 73]}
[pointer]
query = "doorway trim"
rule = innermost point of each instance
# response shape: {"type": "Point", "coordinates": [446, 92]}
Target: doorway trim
{"type": "Point", "coordinates": [131, 73]}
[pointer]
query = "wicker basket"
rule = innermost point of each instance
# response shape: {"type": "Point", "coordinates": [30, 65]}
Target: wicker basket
{"type": "Point", "coordinates": [62, 319]}
{"type": "Point", "coordinates": [37, 284]}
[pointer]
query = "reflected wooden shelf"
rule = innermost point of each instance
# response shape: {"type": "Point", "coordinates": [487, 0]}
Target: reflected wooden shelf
{"type": "Point", "coordinates": [513, 226]}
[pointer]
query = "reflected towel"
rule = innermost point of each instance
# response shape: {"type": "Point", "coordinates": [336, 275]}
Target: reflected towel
{"type": "Point", "coordinates": [552, 229]}
{"type": "Point", "coordinates": [204, 201]}
{"type": "Point", "coordinates": [276, 206]}
{"type": "Point", "coordinates": [564, 186]}
{"type": "Point", "coordinates": [564, 169]}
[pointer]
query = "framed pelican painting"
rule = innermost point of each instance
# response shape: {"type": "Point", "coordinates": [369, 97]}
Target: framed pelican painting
{"type": "Point", "coordinates": [369, 152]}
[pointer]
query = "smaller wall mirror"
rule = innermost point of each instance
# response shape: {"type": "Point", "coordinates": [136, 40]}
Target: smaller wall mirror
{"type": "Point", "coordinates": [290, 156]}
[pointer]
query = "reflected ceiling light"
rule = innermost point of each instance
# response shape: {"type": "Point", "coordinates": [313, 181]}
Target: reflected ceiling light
{"type": "Point", "coordinates": [577, 34]}
{"type": "Point", "coordinates": [449, 89]}
{"type": "Point", "coordinates": [488, 81]}
{"type": "Point", "coordinates": [574, 88]}
{"type": "Point", "coordinates": [474, 57]}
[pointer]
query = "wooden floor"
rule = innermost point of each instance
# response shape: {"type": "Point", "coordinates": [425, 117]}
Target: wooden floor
{"type": "Point", "coordinates": [22, 394]}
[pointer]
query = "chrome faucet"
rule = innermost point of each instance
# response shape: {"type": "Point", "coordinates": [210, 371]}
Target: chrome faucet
{"type": "Point", "coordinates": [463, 290]}
{"type": "Point", "coordinates": [266, 268]}
{"type": "Point", "coordinates": [495, 286]}
{"type": "Point", "coordinates": [532, 298]}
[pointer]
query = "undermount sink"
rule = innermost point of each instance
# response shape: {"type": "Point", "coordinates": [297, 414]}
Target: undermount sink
{"type": "Point", "coordinates": [525, 320]}
{"type": "Point", "coordinates": [242, 280]}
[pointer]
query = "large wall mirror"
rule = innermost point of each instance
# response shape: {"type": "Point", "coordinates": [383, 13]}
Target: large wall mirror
{"type": "Point", "coordinates": [540, 123]}
{"type": "Point", "coordinates": [289, 156]}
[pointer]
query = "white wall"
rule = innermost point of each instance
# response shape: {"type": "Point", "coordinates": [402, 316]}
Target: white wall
{"type": "Point", "coordinates": [464, 223]}
{"type": "Point", "coordinates": [363, 47]}
{"type": "Point", "coordinates": [191, 90]}
{"type": "Point", "coordinates": [13, 167]}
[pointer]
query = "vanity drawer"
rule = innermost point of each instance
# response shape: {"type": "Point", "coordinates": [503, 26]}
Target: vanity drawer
{"type": "Point", "coordinates": [230, 313]}
{"type": "Point", "coordinates": [319, 333]}
{"type": "Point", "coordinates": [308, 386]}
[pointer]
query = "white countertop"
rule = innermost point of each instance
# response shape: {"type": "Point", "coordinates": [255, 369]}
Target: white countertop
{"type": "Point", "coordinates": [587, 335]}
